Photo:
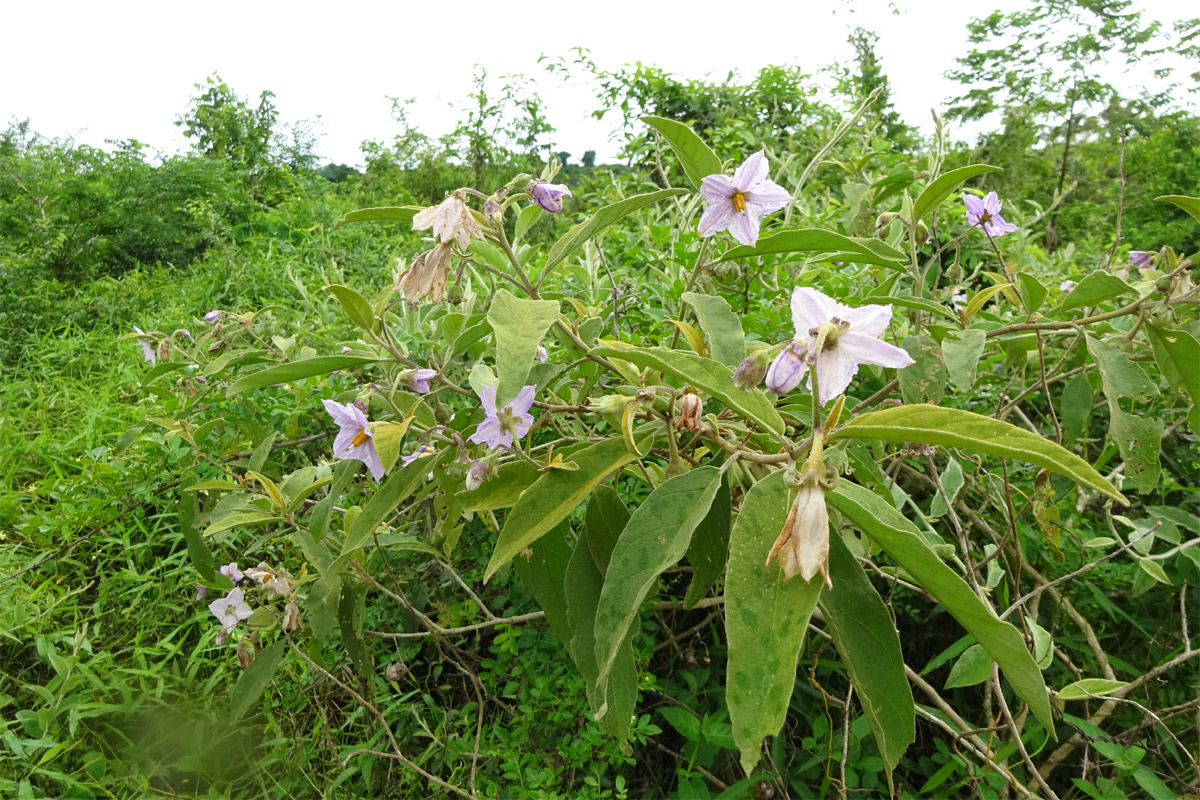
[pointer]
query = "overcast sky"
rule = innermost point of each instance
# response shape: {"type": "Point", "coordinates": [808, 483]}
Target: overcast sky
{"type": "Point", "coordinates": [118, 70]}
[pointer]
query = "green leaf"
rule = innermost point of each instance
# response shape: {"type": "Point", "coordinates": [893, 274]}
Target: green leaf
{"type": "Point", "coordinates": [918, 303]}
{"type": "Point", "coordinates": [950, 427]}
{"type": "Point", "coordinates": [544, 572]}
{"type": "Point", "coordinates": [574, 238]}
{"type": "Point", "coordinates": [1083, 689]}
{"type": "Point", "coordinates": [350, 622]}
{"type": "Point", "coordinates": [503, 489]}
{"type": "Point", "coordinates": [1139, 440]}
{"type": "Point", "coordinates": [940, 189]}
{"type": "Point", "coordinates": [240, 519]}
{"type": "Point", "coordinates": [866, 640]}
{"type": "Point", "coordinates": [807, 240]}
{"type": "Point", "coordinates": [925, 380]}
{"type": "Point", "coordinates": [709, 547]}
{"type": "Point", "coordinates": [381, 214]}
{"type": "Point", "coordinates": [1076, 407]}
{"type": "Point", "coordinates": [1093, 289]}
{"type": "Point", "coordinates": [294, 371]}
{"type": "Point", "coordinates": [705, 374]}
{"type": "Point", "coordinates": [765, 619]}
{"type": "Point", "coordinates": [1151, 784]}
{"type": "Point", "coordinates": [254, 680]}
{"type": "Point", "coordinates": [1178, 355]}
{"type": "Point", "coordinates": [525, 220]}
{"type": "Point", "coordinates": [606, 517]}
{"type": "Point", "coordinates": [553, 496]}
{"type": "Point", "coordinates": [697, 158]}
{"type": "Point", "coordinates": [962, 350]}
{"type": "Point", "coordinates": [656, 537]}
{"type": "Point", "coordinates": [1189, 204]}
{"type": "Point", "coordinates": [973, 667]}
{"type": "Point", "coordinates": [1033, 292]}
{"type": "Point", "coordinates": [726, 340]}
{"type": "Point", "coordinates": [1154, 570]}
{"type": "Point", "coordinates": [387, 437]}
{"type": "Point", "coordinates": [952, 483]}
{"type": "Point", "coordinates": [904, 543]}
{"type": "Point", "coordinates": [1121, 376]}
{"type": "Point", "coordinates": [520, 326]}
{"type": "Point", "coordinates": [356, 307]}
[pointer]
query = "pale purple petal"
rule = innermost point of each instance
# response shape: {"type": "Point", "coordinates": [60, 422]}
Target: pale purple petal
{"type": "Point", "coordinates": [810, 309]}
{"type": "Point", "coordinates": [788, 368]}
{"type": "Point", "coordinates": [490, 433]}
{"type": "Point", "coordinates": [998, 227]}
{"type": "Point", "coordinates": [147, 349]}
{"type": "Point", "coordinates": [716, 188]}
{"type": "Point", "coordinates": [752, 171]}
{"type": "Point", "coordinates": [869, 350]}
{"type": "Point", "coordinates": [835, 370]}
{"type": "Point", "coordinates": [547, 195]}
{"type": "Point", "coordinates": [487, 396]}
{"type": "Point", "coordinates": [368, 455]}
{"type": "Point", "coordinates": [212, 316]}
{"type": "Point", "coordinates": [975, 208]}
{"type": "Point", "coordinates": [744, 228]}
{"type": "Point", "coordinates": [767, 198]}
{"type": "Point", "coordinates": [341, 413]}
{"type": "Point", "coordinates": [717, 217]}
{"type": "Point", "coordinates": [868, 320]}
{"type": "Point", "coordinates": [522, 424]}
{"type": "Point", "coordinates": [200, 592]}
{"type": "Point", "coordinates": [1140, 258]}
{"type": "Point", "coordinates": [991, 202]}
{"type": "Point", "coordinates": [232, 572]}
{"type": "Point", "coordinates": [419, 380]}
{"type": "Point", "coordinates": [523, 401]}
{"type": "Point", "coordinates": [344, 441]}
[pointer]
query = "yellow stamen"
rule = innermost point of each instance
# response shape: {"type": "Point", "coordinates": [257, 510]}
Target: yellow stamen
{"type": "Point", "coordinates": [739, 202]}
{"type": "Point", "coordinates": [359, 437]}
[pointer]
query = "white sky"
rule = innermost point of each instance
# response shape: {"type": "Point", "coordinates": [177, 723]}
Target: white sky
{"type": "Point", "coordinates": [117, 70]}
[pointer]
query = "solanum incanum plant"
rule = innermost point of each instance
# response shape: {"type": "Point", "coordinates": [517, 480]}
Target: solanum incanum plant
{"type": "Point", "coordinates": [773, 501]}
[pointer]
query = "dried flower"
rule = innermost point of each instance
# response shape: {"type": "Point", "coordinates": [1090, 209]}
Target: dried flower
{"type": "Point", "coordinates": [354, 439]}
{"type": "Point", "coordinates": [549, 195]}
{"type": "Point", "coordinates": [451, 221]}
{"type": "Point", "coordinates": [803, 544]}
{"type": "Point", "coordinates": [291, 617]}
{"type": "Point", "coordinates": [500, 426]}
{"type": "Point", "coordinates": [690, 408]}
{"type": "Point", "coordinates": [427, 275]}
{"type": "Point", "coordinates": [985, 214]}
{"type": "Point", "coordinates": [277, 582]}
{"type": "Point", "coordinates": [736, 204]}
{"type": "Point", "coordinates": [230, 609]}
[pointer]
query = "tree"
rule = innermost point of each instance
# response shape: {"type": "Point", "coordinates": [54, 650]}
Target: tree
{"type": "Point", "coordinates": [589, 158]}
{"type": "Point", "coordinates": [225, 126]}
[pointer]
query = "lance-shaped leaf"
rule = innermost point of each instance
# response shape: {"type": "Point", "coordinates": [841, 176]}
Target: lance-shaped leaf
{"type": "Point", "coordinates": [656, 537]}
{"type": "Point", "coordinates": [503, 489]}
{"type": "Point", "coordinates": [294, 371]}
{"type": "Point", "coordinates": [726, 341]}
{"type": "Point", "coordinates": [709, 548]}
{"type": "Point", "coordinates": [606, 517]}
{"type": "Point", "coordinates": [810, 240]}
{"type": "Point", "coordinates": [356, 307]}
{"type": "Point", "coordinates": [866, 640]}
{"type": "Point", "coordinates": [950, 427]}
{"type": "Point", "coordinates": [520, 326]}
{"type": "Point", "coordinates": [1189, 204]}
{"type": "Point", "coordinates": [573, 239]}
{"type": "Point", "coordinates": [942, 187]}
{"type": "Point", "coordinates": [697, 158]}
{"type": "Point", "coordinates": [905, 545]}
{"type": "Point", "coordinates": [1177, 353]}
{"type": "Point", "coordinates": [543, 568]}
{"type": "Point", "coordinates": [765, 619]}
{"type": "Point", "coordinates": [254, 680]}
{"type": "Point", "coordinates": [705, 374]}
{"type": "Point", "coordinates": [555, 495]}
{"type": "Point", "coordinates": [381, 214]}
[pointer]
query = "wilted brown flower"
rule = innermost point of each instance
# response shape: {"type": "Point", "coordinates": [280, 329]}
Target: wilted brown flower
{"type": "Point", "coordinates": [451, 221]}
{"type": "Point", "coordinates": [427, 275]}
{"type": "Point", "coordinates": [803, 544]}
{"type": "Point", "coordinates": [690, 407]}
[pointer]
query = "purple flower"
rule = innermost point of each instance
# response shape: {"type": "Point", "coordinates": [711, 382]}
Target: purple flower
{"type": "Point", "coordinates": [418, 379]}
{"type": "Point", "coordinates": [414, 455]}
{"type": "Point", "coordinates": [735, 204]}
{"type": "Point", "coordinates": [1066, 287]}
{"type": "Point", "coordinates": [985, 214]}
{"type": "Point", "coordinates": [212, 316]}
{"type": "Point", "coordinates": [200, 591]}
{"type": "Point", "coordinates": [232, 572]}
{"type": "Point", "coordinates": [788, 368]}
{"type": "Point", "coordinates": [354, 438]}
{"type": "Point", "coordinates": [959, 300]}
{"type": "Point", "coordinates": [230, 609]}
{"type": "Point", "coordinates": [503, 425]}
{"type": "Point", "coordinates": [147, 348]}
{"type": "Point", "coordinates": [540, 355]}
{"type": "Point", "coordinates": [1140, 258]}
{"type": "Point", "coordinates": [547, 195]}
{"type": "Point", "coordinates": [851, 338]}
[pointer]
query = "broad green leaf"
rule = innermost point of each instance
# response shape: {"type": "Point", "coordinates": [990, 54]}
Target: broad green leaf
{"type": "Point", "coordinates": [240, 519]}
{"type": "Point", "coordinates": [503, 489]}
{"type": "Point", "coordinates": [606, 517]}
{"type": "Point", "coordinates": [520, 326]}
{"type": "Point", "coordinates": [1094, 288]}
{"type": "Point", "coordinates": [1189, 204]}
{"type": "Point", "coordinates": [356, 307]}
{"type": "Point", "coordinates": [709, 547]}
{"type": "Point", "coordinates": [1083, 689]}
{"type": "Point", "coordinates": [198, 552]}
{"type": "Point", "coordinates": [1151, 784]}
{"type": "Point", "coordinates": [705, 374]}
{"type": "Point", "coordinates": [381, 214]}
{"type": "Point", "coordinates": [1178, 355]}
{"type": "Point", "coordinates": [387, 437]}
{"type": "Point", "coordinates": [553, 496]}
{"type": "Point", "coordinates": [574, 238]}
{"type": "Point", "coordinates": [697, 158]}
{"type": "Point", "coordinates": [981, 298]}
{"type": "Point", "coordinates": [952, 483]}
{"type": "Point", "coordinates": [941, 188]}
{"type": "Point", "coordinates": [544, 571]}
{"type": "Point", "coordinates": [962, 350]}
{"type": "Point", "coordinates": [726, 341]}
{"type": "Point", "coordinates": [1154, 570]}
{"type": "Point", "coordinates": [350, 622]}
{"type": "Point", "coordinates": [866, 640]}
{"type": "Point", "coordinates": [655, 538]}
{"type": "Point", "coordinates": [950, 427]}
{"type": "Point", "coordinates": [925, 380]}
{"type": "Point", "coordinates": [294, 371]}
{"type": "Point", "coordinates": [525, 220]}
{"type": "Point", "coordinates": [1076, 407]}
{"type": "Point", "coordinates": [254, 680]}
{"type": "Point", "coordinates": [585, 578]}
{"type": "Point", "coordinates": [1122, 377]}
{"type": "Point", "coordinates": [1033, 292]}
{"type": "Point", "coordinates": [765, 619]}
{"type": "Point", "coordinates": [907, 547]}
{"type": "Point", "coordinates": [973, 667]}
{"type": "Point", "coordinates": [810, 240]}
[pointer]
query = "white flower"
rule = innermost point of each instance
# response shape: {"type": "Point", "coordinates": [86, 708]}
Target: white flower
{"type": "Point", "coordinates": [230, 609]}
{"type": "Point", "coordinates": [277, 582]}
{"type": "Point", "coordinates": [803, 544]}
{"type": "Point", "coordinates": [736, 204]}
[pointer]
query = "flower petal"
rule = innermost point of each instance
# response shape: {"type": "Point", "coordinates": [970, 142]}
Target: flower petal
{"type": "Point", "coordinates": [340, 413]}
{"type": "Point", "coordinates": [744, 228]}
{"type": "Point", "coordinates": [975, 208]}
{"type": "Point", "coordinates": [424, 218]}
{"type": "Point", "coordinates": [716, 188]}
{"type": "Point", "coordinates": [487, 396]}
{"type": "Point", "coordinates": [991, 202]}
{"type": "Point", "coordinates": [869, 350]}
{"type": "Point", "coordinates": [810, 309]}
{"type": "Point", "coordinates": [868, 320]}
{"type": "Point", "coordinates": [490, 433]}
{"type": "Point", "coordinates": [835, 370]}
{"type": "Point", "coordinates": [788, 369]}
{"type": "Point", "coordinates": [767, 198]}
{"type": "Point", "coordinates": [522, 424]}
{"type": "Point", "coordinates": [344, 442]}
{"type": "Point", "coordinates": [753, 171]}
{"type": "Point", "coordinates": [716, 217]}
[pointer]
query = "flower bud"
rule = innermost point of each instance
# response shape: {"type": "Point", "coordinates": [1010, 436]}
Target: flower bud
{"type": "Point", "coordinates": [479, 472]}
{"type": "Point", "coordinates": [883, 221]}
{"type": "Point", "coordinates": [922, 233]}
{"type": "Point", "coordinates": [183, 333]}
{"type": "Point", "coordinates": [788, 368]}
{"type": "Point", "coordinates": [291, 617]}
{"type": "Point", "coordinates": [690, 408]}
{"type": "Point", "coordinates": [803, 544]}
{"type": "Point", "coordinates": [244, 656]}
{"type": "Point", "coordinates": [610, 404]}
{"type": "Point", "coordinates": [751, 371]}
